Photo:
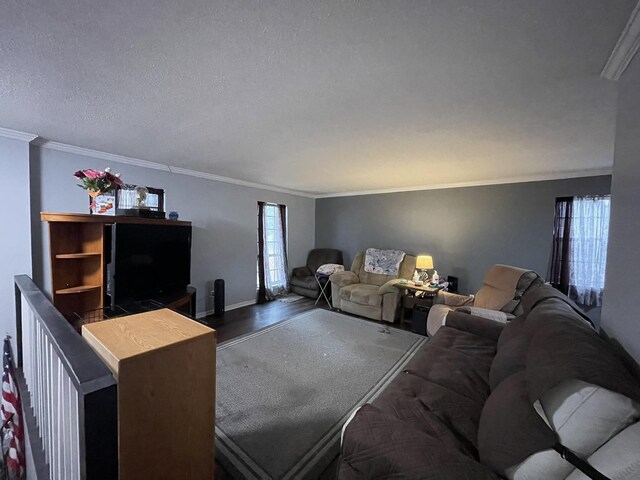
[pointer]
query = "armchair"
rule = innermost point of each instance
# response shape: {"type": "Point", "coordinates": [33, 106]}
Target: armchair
{"type": "Point", "coordinates": [498, 299]}
{"type": "Point", "coordinates": [302, 279]}
{"type": "Point", "coordinates": [371, 295]}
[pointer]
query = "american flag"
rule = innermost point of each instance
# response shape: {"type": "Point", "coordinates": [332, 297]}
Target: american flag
{"type": "Point", "coordinates": [11, 409]}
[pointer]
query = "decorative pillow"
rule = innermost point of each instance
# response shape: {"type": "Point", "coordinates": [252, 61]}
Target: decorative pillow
{"type": "Point", "coordinates": [329, 269]}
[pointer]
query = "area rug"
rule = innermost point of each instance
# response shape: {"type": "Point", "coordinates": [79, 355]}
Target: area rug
{"type": "Point", "coordinates": [283, 393]}
{"type": "Point", "coordinates": [290, 298]}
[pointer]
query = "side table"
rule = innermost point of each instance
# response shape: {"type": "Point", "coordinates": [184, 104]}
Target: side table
{"type": "Point", "coordinates": [416, 296]}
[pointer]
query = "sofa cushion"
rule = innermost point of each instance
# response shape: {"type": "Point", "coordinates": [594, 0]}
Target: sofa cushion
{"type": "Point", "coordinates": [381, 445]}
{"type": "Point", "coordinates": [510, 358]}
{"type": "Point", "coordinates": [584, 416]}
{"type": "Point", "coordinates": [510, 429]}
{"type": "Point", "coordinates": [514, 328]}
{"type": "Point", "coordinates": [362, 294]}
{"type": "Point", "coordinates": [618, 459]}
{"type": "Point", "coordinates": [562, 347]}
{"type": "Point", "coordinates": [305, 282]}
{"type": "Point", "coordinates": [449, 379]}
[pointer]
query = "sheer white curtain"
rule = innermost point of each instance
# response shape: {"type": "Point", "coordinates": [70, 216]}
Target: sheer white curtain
{"type": "Point", "coordinates": [589, 236]}
{"type": "Point", "coordinates": [274, 251]}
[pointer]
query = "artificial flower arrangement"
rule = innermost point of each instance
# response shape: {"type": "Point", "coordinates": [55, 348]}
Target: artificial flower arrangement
{"type": "Point", "coordinates": [99, 184]}
{"type": "Point", "coordinates": [96, 182]}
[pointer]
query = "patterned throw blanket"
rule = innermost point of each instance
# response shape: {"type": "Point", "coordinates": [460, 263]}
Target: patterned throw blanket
{"type": "Point", "coordinates": [385, 262]}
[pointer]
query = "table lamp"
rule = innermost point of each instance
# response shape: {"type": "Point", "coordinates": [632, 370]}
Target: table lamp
{"type": "Point", "coordinates": [423, 263]}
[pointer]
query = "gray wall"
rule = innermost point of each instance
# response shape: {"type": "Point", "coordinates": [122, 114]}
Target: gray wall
{"type": "Point", "coordinates": [15, 255]}
{"type": "Point", "coordinates": [620, 317]}
{"type": "Point", "coordinates": [224, 219]}
{"type": "Point", "coordinates": [466, 230]}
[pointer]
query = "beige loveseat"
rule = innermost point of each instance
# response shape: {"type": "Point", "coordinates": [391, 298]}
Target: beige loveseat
{"type": "Point", "coordinates": [370, 295]}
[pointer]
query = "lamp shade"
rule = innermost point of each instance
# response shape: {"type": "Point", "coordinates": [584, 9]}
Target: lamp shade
{"type": "Point", "coordinates": [424, 261]}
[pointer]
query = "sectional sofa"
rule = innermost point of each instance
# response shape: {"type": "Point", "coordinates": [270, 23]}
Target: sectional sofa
{"type": "Point", "coordinates": [483, 401]}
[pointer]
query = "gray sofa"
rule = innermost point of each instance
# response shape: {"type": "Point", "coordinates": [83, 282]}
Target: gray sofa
{"type": "Point", "coordinates": [370, 295]}
{"type": "Point", "coordinates": [483, 400]}
{"type": "Point", "coordinates": [303, 280]}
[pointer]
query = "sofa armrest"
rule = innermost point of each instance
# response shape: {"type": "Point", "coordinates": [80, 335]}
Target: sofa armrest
{"type": "Point", "coordinates": [453, 299]}
{"type": "Point", "coordinates": [495, 315]}
{"type": "Point", "coordinates": [483, 327]}
{"type": "Point", "coordinates": [390, 287]}
{"type": "Point", "coordinates": [342, 279]}
{"type": "Point", "coordinates": [301, 272]}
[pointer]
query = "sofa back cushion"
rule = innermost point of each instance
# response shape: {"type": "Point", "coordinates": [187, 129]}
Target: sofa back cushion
{"type": "Point", "coordinates": [585, 417]}
{"type": "Point", "coordinates": [407, 267]}
{"type": "Point", "coordinates": [320, 256]}
{"type": "Point", "coordinates": [583, 390]}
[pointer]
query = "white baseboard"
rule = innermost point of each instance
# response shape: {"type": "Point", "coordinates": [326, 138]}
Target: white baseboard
{"type": "Point", "coordinates": [227, 308]}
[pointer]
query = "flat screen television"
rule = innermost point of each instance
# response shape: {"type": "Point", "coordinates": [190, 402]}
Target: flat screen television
{"type": "Point", "coordinates": [149, 261]}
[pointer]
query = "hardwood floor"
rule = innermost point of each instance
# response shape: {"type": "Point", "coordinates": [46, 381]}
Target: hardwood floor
{"type": "Point", "coordinates": [241, 321]}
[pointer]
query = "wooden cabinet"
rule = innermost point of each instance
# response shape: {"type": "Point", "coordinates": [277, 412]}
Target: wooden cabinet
{"type": "Point", "coordinates": [77, 244]}
{"type": "Point", "coordinates": [165, 365]}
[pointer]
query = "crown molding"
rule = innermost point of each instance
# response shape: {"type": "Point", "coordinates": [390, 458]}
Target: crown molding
{"type": "Point", "coordinates": [481, 183]}
{"type": "Point", "coordinates": [111, 157]}
{"type": "Point", "coordinates": [235, 181]}
{"type": "Point", "coordinates": [16, 135]}
{"type": "Point", "coordinates": [625, 49]}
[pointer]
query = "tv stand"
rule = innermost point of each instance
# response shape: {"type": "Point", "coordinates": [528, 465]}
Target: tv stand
{"type": "Point", "coordinates": [78, 261]}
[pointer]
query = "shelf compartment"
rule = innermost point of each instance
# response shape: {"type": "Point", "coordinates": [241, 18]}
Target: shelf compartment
{"type": "Point", "coordinates": [71, 256]}
{"type": "Point", "coordinates": [78, 289]}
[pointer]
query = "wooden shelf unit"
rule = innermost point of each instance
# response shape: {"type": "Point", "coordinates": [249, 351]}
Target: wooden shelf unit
{"type": "Point", "coordinates": [77, 252]}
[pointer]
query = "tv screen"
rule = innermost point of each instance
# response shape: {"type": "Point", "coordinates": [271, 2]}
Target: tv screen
{"type": "Point", "coordinates": [150, 261]}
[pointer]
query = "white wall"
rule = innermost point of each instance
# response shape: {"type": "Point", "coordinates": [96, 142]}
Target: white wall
{"type": "Point", "coordinates": [224, 218]}
{"type": "Point", "coordinates": [15, 240]}
{"type": "Point", "coordinates": [620, 312]}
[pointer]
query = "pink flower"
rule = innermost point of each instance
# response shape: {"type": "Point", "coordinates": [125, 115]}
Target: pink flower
{"type": "Point", "coordinates": [93, 173]}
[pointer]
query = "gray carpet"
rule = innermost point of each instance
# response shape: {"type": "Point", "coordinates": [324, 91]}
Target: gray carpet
{"type": "Point", "coordinates": [283, 393]}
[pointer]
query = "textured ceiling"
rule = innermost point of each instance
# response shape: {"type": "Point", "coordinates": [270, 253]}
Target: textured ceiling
{"type": "Point", "coordinates": [320, 96]}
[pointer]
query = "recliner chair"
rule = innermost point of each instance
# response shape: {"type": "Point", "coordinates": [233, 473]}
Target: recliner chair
{"type": "Point", "coordinates": [303, 280]}
{"type": "Point", "coordinates": [498, 299]}
{"type": "Point", "coordinates": [371, 295]}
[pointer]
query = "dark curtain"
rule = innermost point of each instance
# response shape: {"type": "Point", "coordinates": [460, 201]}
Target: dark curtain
{"type": "Point", "coordinates": [262, 290]}
{"type": "Point", "coordinates": [559, 275]}
{"type": "Point", "coordinates": [283, 220]}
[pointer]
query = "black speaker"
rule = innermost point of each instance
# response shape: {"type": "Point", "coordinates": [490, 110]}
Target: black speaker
{"type": "Point", "coordinates": [453, 284]}
{"type": "Point", "coordinates": [218, 299]}
{"type": "Point", "coordinates": [419, 319]}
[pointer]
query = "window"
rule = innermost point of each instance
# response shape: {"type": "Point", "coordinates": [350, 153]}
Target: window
{"type": "Point", "coordinates": [581, 232]}
{"type": "Point", "coordinates": [272, 251]}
